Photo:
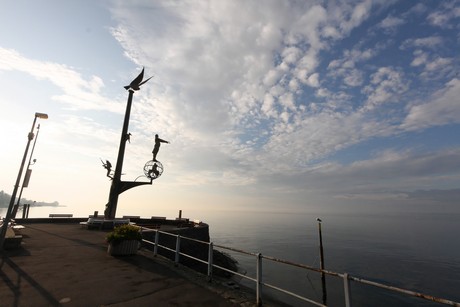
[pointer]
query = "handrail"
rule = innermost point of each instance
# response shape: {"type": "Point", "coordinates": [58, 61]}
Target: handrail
{"type": "Point", "coordinates": [258, 279]}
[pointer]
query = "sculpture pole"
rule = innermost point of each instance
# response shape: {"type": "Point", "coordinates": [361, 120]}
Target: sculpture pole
{"type": "Point", "coordinates": [118, 186]}
{"type": "Point", "coordinates": [116, 181]}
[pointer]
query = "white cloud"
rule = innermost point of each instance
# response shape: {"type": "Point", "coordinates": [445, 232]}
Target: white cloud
{"type": "Point", "coordinates": [223, 69]}
{"type": "Point", "coordinates": [390, 23]}
{"type": "Point", "coordinates": [431, 42]}
{"type": "Point", "coordinates": [438, 64]}
{"type": "Point", "coordinates": [386, 86]}
{"type": "Point", "coordinates": [268, 97]}
{"type": "Point", "coordinates": [78, 93]}
{"type": "Point", "coordinates": [313, 80]}
{"type": "Point", "coordinates": [442, 109]}
{"type": "Point", "coordinates": [420, 58]}
{"type": "Point", "coordinates": [446, 15]}
{"type": "Point", "coordinates": [346, 67]}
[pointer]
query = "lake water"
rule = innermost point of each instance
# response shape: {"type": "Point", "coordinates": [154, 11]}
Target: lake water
{"type": "Point", "coordinates": [416, 251]}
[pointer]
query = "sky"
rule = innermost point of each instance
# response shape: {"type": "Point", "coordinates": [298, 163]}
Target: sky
{"type": "Point", "coordinates": [273, 105]}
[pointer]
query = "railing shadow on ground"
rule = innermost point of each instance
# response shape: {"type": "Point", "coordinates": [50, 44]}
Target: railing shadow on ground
{"type": "Point", "coordinates": [22, 275]}
{"type": "Point", "coordinates": [176, 254]}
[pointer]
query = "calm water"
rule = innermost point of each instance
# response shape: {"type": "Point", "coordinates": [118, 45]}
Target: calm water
{"type": "Point", "coordinates": [416, 251]}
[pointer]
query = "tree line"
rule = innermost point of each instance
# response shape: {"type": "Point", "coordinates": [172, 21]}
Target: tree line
{"type": "Point", "coordinates": [5, 201]}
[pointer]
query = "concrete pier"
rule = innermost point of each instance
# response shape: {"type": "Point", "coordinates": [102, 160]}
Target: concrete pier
{"type": "Point", "coordinates": [67, 265]}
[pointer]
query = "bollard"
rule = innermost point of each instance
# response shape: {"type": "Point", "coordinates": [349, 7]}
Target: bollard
{"type": "Point", "coordinates": [24, 210]}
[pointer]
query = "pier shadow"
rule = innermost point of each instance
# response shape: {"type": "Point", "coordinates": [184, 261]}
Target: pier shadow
{"type": "Point", "coordinates": [20, 277]}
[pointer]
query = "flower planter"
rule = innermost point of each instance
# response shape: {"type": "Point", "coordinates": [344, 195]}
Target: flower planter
{"type": "Point", "coordinates": [123, 248]}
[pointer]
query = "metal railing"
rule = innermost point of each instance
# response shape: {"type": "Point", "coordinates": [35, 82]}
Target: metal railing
{"type": "Point", "coordinates": [258, 278]}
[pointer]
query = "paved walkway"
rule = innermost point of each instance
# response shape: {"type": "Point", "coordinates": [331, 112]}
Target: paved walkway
{"type": "Point", "coordinates": [66, 265]}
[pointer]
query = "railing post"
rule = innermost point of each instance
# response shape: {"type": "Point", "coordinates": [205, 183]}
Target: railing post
{"type": "Point", "coordinates": [346, 288]}
{"type": "Point", "coordinates": [155, 247]}
{"type": "Point", "coordinates": [259, 280]}
{"type": "Point", "coordinates": [176, 260]}
{"type": "Point", "coordinates": [321, 262]}
{"type": "Point", "coordinates": [210, 260]}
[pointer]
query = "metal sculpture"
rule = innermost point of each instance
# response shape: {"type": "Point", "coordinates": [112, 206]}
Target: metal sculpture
{"type": "Point", "coordinates": [156, 148]}
{"type": "Point", "coordinates": [152, 170]}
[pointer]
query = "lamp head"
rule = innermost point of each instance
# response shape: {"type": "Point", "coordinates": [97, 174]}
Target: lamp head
{"type": "Point", "coordinates": [41, 115]}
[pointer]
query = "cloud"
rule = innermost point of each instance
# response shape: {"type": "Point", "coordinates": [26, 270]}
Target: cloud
{"type": "Point", "coordinates": [439, 196]}
{"type": "Point", "coordinates": [431, 42]}
{"type": "Point", "coordinates": [225, 77]}
{"type": "Point", "coordinates": [78, 93]}
{"type": "Point", "coordinates": [390, 24]}
{"type": "Point", "coordinates": [389, 177]}
{"type": "Point", "coordinates": [437, 68]}
{"type": "Point", "coordinates": [386, 86]}
{"type": "Point", "coordinates": [445, 15]}
{"type": "Point", "coordinates": [347, 66]}
{"type": "Point", "coordinates": [442, 109]}
{"type": "Point", "coordinates": [249, 91]}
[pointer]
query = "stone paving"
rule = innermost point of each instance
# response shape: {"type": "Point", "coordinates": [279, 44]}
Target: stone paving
{"type": "Point", "coordinates": [66, 265]}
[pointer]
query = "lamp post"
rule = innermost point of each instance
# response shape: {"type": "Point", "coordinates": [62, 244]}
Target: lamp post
{"type": "Point", "coordinates": [7, 218]}
{"type": "Point", "coordinates": [25, 182]}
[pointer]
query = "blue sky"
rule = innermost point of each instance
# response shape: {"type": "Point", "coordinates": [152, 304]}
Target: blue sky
{"type": "Point", "coordinates": [291, 105]}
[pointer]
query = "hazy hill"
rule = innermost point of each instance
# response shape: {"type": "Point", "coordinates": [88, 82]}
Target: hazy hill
{"type": "Point", "coordinates": [5, 201]}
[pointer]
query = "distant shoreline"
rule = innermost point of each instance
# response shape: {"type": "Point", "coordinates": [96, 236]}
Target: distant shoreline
{"type": "Point", "coordinates": [32, 205]}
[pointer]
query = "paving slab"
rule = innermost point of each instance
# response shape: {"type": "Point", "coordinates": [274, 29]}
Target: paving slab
{"type": "Point", "coordinates": [66, 265]}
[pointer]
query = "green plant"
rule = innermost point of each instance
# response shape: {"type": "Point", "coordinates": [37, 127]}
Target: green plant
{"type": "Point", "coordinates": [124, 232]}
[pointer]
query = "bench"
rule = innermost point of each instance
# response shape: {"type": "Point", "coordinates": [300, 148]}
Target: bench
{"type": "Point", "coordinates": [97, 216]}
{"type": "Point", "coordinates": [101, 223]}
{"type": "Point", "coordinates": [12, 241]}
{"type": "Point", "coordinates": [53, 215]}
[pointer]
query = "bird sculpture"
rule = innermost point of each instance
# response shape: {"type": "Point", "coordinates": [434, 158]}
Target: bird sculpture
{"type": "Point", "coordinates": [136, 83]}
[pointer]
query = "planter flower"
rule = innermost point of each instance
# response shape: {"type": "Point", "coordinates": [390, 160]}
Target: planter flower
{"type": "Point", "coordinates": [124, 240]}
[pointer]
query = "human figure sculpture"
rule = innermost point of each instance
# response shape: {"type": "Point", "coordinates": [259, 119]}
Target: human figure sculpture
{"type": "Point", "coordinates": [154, 170]}
{"type": "Point", "coordinates": [156, 148]}
{"type": "Point", "coordinates": [128, 137]}
{"type": "Point", "coordinates": [108, 166]}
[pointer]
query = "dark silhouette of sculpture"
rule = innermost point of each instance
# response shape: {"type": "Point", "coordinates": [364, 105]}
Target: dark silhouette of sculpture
{"type": "Point", "coordinates": [128, 137]}
{"type": "Point", "coordinates": [156, 148]}
{"type": "Point", "coordinates": [119, 186]}
{"type": "Point", "coordinates": [136, 83]}
{"type": "Point", "coordinates": [108, 166]}
{"type": "Point", "coordinates": [153, 170]}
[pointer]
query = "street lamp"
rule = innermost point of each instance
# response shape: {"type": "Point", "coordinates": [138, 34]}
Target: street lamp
{"type": "Point", "coordinates": [25, 182]}
{"type": "Point", "coordinates": [6, 220]}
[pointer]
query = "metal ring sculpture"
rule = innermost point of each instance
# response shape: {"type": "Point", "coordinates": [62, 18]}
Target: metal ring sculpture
{"type": "Point", "coordinates": [153, 169]}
